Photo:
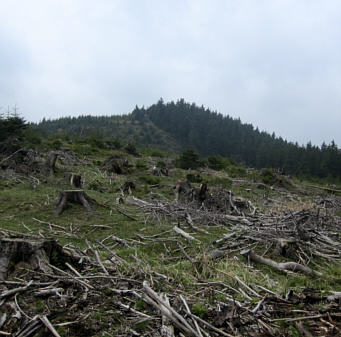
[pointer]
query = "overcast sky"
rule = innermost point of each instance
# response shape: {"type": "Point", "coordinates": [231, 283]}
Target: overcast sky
{"type": "Point", "coordinates": [273, 63]}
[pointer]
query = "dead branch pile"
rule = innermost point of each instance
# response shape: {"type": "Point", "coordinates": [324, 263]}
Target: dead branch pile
{"type": "Point", "coordinates": [67, 157]}
{"type": "Point", "coordinates": [77, 293]}
{"type": "Point", "coordinates": [24, 161]}
{"type": "Point", "coordinates": [29, 162]}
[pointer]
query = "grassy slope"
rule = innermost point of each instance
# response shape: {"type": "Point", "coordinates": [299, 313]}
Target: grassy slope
{"type": "Point", "coordinates": [23, 200]}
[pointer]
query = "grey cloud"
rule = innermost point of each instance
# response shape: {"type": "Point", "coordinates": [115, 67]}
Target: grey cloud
{"type": "Point", "coordinates": [272, 63]}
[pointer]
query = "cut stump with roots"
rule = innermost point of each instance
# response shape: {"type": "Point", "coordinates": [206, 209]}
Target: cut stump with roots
{"type": "Point", "coordinates": [75, 196]}
{"type": "Point", "coordinates": [35, 251]}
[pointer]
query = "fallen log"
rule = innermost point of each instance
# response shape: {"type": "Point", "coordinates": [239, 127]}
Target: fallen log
{"type": "Point", "coordinates": [281, 266]}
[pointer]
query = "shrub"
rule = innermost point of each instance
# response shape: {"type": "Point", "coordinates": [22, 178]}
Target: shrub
{"type": "Point", "coordinates": [83, 149]}
{"type": "Point", "coordinates": [268, 176]}
{"type": "Point", "coordinates": [141, 165]}
{"type": "Point", "coordinates": [200, 311]}
{"type": "Point", "coordinates": [189, 159]}
{"type": "Point", "coordinates": [115, 144]}
{"type": "Point", "coordinates": [236, 171]}
{"type": "Point", "coordinates": [218, 163]}
{"type": "Point", "coordinates": [96, 142]}
{"type": "Point", "coordinates": [194, 178]}
{"type": "Point", "coordinates": [150, 180]}
{"type": "Point", "coordinates": [131, 149]}
{"type": "Point", "coordinates": [56, 144]}
{"type": "Point", "coordinates": [222, 182]}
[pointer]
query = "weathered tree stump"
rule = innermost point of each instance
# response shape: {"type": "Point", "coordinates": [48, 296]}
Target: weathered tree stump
{"type": "Point", "coordinates": [75, 196]}
{"type": "Point", "coordinates": [35, 251]}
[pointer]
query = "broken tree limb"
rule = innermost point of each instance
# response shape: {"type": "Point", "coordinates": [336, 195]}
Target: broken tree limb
{"type": "Point", "coordinates": [193, 319]}
{"type": "Point", "coordinates": [167, 330]}
{"type": "Point", "coordinates": [281, 266]}
{"type": "Point", "coordinates": [191, 224]}
{"type": "Point", "coordinates": [15, 291]}
{"type": "Point", "coordinates": [175, 317]}
{"type": "Point", "coordinates": [48, 324]}
{"type": "Point", "coordinates": [184, 234]}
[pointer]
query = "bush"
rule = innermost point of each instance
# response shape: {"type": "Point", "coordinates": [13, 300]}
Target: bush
{"type": "Point", "coordinates": [56, 144]}
{"type": "Point", "coordinates": [32, 137]}
{"type": "Point", "coordinates": [222, 182]}
{"type": "Point", "coordinates": [115, 144]}
{"type": "Point", "coordinates": [218, 163]}
{"type": "Point", "coordinates": [161, 164]}
{"type": "Point", "coordinates": [268, 176]}
{"type": "Point", "coordinates": [189, 159]}
{"type": "Point", "coordinates": [236, 171]}
{"type": "Point", "coordinates": [152, 152]}
{"type": "Point", "coordinates": [150, 180]}
{"type": "Point", "coordinates": [194, 178]}
{"type": "Point", "coordinates": [96, 142]}
{"type": "Point", "coordinates": [83, 149]}
{"type": "Point", "coordinates": [141, 165]}
{"type": "Point", "coordinates": [131, 149]}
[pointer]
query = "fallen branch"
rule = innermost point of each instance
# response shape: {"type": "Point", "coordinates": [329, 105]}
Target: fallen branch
{"type": "Point", "coordinates": [281, 266]}
{"type": "Point", "coordinates": [184, 234]}
{"type": "Point", "coordinates": [175, 317]}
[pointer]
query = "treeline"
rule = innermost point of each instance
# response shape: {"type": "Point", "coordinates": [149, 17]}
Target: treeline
{"type": "Point", "coordinates": [181, 125]}
{"type": "Point", "coordinates": [212, 133]}
{"type": "Point", "coordinates": [113, 128]}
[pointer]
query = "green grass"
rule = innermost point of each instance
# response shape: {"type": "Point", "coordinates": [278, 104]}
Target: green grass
{"type": "Point", "coordinates": [22, 201]}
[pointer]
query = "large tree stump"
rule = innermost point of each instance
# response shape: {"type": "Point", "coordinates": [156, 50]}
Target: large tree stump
{"type": "Point", "coordinates": [34, 251]}
{"type": "Point", "coordinates": [75, 196]}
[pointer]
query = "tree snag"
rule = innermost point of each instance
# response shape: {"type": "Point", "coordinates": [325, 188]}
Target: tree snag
{"type": "Point", "coordinates": [75, 196]}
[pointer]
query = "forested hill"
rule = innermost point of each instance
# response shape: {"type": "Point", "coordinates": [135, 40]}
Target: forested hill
{"type": "Point", "coordinates": [186, 125]}
{"type": "Point", "coordinates": [212, 133]}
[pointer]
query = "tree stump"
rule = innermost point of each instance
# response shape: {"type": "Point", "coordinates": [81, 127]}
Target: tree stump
{"type": "Point", "coordinates": [35, 251]}
{"type": "Point", "coordinates": [75, 196]}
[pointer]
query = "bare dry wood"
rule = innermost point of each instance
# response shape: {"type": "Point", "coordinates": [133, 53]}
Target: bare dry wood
{"type": "Point", "coordinates": [167, 329]}
{"type": "Point", "coordinates": [184, 234]}
{"type": "Point", "coordinates": [281, 266]}
{"type": "Point", "coordinates": [175, 317]}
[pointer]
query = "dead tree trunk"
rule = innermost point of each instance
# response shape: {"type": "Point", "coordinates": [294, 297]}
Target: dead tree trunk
{"type": "Point", "coordinates": [76, 196]}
